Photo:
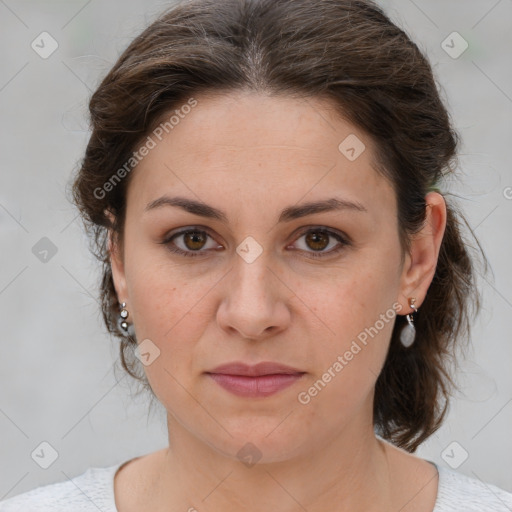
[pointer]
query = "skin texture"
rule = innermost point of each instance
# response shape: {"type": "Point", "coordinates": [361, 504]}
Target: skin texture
{"type": "Point", "coordinates": [251, 156]}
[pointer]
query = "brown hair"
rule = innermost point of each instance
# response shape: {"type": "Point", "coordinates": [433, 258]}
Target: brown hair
{"type": "Point", "coordinates": [347, 51]}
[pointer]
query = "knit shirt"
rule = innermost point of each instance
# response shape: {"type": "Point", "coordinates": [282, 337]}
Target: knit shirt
{"type": "Point", "coordinates": [93, 491]}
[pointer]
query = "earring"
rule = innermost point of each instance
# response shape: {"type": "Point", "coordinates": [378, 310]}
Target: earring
{"type": "Point", "coordinates": [124, 327]}
{"type": "Point", "coordinates": [408, 332]}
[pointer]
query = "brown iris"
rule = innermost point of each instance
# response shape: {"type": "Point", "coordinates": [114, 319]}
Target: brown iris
{"type": "Point", "coordinates": [194, 237]}
{"type": "Point", "coordinates": [317, 240]}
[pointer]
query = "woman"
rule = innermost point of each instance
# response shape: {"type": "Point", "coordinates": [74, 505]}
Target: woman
{"type": "Point", "coordinates": [282, 270]}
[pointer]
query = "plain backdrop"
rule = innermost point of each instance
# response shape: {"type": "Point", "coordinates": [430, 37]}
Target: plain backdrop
{"type": "Point", "coordinates": [57, 380]}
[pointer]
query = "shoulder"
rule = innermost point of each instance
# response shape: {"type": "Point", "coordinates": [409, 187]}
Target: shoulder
{"type": "Point", "coordinates": [90, 491]}
{"type": "Point", "coordinates": [458, 492]}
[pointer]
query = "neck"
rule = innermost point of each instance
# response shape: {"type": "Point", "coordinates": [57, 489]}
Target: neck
{"type": "Point", "coordinates": [349, 471]}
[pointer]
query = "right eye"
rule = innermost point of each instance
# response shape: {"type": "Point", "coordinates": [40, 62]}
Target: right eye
{"type": "Point", "coordinates": [192, 241]}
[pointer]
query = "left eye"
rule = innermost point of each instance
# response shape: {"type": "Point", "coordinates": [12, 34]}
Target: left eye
{"type": "Point", "coordinates": [194, 240]}
{"type": "Point", "coordinates": [318, 240]}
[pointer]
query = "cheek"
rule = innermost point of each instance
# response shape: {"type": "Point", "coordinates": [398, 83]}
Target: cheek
{"type": "Point", "coordinates": [348, 367]}
{"type": "Point", "coordinates": [170, 308]}
{"type": "Point", "coordinates": [159, 290]}
{"type": "Point", "coordinates": [360, 315]}
{"type": "Point", "coordinates": [164, 313]}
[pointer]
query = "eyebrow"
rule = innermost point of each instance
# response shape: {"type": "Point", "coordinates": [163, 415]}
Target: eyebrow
{"type": "Point", "coordinates": [288, 214]}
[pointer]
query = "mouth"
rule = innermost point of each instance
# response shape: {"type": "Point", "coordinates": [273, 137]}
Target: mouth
{"type": "Point", "coordinates": [260, 380]}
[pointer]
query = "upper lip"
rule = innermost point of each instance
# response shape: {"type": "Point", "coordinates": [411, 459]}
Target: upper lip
{"type": "Point", "coordinates": [264, 368]}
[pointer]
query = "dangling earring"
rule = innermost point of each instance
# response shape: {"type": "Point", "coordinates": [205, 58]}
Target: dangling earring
{"type": "Point", "coordinates": [125, 328]}
{"type": "Point", "coordinates": [408, 332]}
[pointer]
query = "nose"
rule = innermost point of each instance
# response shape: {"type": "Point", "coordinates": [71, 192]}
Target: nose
{"type": "Point", "coordinates": [255, 301]}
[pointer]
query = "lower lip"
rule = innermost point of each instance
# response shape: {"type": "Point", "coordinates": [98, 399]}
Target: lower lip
{"type": "Point", "coordinates": [264, 385]}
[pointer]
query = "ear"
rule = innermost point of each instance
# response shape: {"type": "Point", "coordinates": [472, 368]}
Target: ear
{"type": "Point", "coordinates": [117, 263]}
{"type": "Point", "coordinates": [420, 264]}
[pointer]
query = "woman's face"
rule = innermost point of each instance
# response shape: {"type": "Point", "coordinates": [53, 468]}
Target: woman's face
{"type": "Point", "coordinates": [266, 280]}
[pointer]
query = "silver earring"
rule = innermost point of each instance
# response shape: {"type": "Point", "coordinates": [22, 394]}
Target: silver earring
{"type": "Point", "coordinates": [408, 332]}
{"type": "Point", "coordinates": [125, 328]}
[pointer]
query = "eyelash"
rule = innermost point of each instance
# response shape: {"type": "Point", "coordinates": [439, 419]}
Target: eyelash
{"type": "Point", "coordinates": [344, 241]}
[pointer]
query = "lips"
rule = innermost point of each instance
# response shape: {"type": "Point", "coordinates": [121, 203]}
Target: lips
{"type": "Point", "coordinates": [260, 380]}
{"type": "Point", "coordinates": [264, 368]}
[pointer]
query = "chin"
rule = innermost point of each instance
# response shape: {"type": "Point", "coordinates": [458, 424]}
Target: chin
{"type": "Point", "coordinates": [261, 440]}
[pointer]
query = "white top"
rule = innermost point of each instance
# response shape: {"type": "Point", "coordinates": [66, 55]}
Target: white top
{"type": "Point", "coordinates": [93, 491]}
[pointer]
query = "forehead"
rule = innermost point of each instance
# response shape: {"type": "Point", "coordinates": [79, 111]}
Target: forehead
{"type": "Point", "coordinates": [243, 146]}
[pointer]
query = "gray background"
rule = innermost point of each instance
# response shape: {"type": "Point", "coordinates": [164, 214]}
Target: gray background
{"type": "Point", "coordinates": [57, 378]}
